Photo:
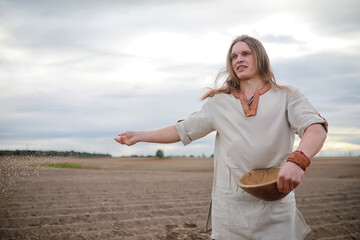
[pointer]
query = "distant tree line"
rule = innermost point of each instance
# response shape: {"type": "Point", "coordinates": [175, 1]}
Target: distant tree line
{"type": "Point", "coordinates": [160, 154]}
{"type": "Point", "coordinates": [37, 153]}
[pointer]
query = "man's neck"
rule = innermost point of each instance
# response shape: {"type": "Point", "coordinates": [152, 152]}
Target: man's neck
{"type": "Point", "coordinates": [250, 86]}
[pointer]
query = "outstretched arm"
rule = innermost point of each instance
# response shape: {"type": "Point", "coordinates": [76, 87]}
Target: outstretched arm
{"type": "Point", "coordinates": [291, 174]}
{"type": "Point", "coordinates": [163, 135]}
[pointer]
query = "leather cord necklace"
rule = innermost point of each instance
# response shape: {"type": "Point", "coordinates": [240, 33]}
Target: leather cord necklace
{"type": "Point", "coordinates": [250, 101]}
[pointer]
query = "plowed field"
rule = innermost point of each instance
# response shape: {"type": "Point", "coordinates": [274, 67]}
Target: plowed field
{"type": "Point", "coordinates": [145, 198]}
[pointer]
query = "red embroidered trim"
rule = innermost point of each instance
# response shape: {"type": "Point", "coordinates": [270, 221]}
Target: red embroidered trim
{"type": "Point", "coordinates": [325, 124]}
{"type": "Point", "coordinates": [251, 111]}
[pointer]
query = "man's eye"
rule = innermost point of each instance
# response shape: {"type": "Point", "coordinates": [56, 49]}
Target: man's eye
{"type": "Point", "coordinates": [233, 57]}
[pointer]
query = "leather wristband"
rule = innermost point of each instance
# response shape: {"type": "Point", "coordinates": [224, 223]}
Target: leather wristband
{"type": "Point", "coordinates": [299, 158]}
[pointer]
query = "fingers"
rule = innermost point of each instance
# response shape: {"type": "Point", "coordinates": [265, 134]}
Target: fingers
{"type": "Point", "coordinates": [120, 140]}
{"type": "Point", "coordinates": [283, 185]}
{"type": "Point", "coordinates": [280, 185]}
{"type": "Point", "coordinates": [286, 185]}
{"type": "Point", "coordinates": [125, 138]}
{"type": "Point", "coordinates": [290, 176]}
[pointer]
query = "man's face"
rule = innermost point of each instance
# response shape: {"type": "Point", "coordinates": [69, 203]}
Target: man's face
{"type": "Point", "coordinates": [243, 61]}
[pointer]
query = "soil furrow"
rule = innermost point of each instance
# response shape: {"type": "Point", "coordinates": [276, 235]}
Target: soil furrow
{"type": "Point", "coordinates": [126, 199]}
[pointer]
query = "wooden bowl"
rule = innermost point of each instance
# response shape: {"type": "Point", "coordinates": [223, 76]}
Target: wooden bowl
{"type": "Point", "coordinates": [261, 183]}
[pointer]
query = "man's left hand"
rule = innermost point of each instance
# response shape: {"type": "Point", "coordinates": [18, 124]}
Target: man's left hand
{"type": "Point", "coordinates": [290, 176]}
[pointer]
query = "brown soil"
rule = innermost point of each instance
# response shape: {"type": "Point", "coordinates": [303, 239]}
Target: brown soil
{"type": "Point", "coordinates": [146, 198]}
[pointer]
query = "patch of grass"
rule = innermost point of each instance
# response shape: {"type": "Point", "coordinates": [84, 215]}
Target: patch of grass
{"type": "Point", "coordinates": [63, 165]}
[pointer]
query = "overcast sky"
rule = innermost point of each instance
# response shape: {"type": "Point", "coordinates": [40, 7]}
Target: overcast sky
{"type": "Point", "coordinates": [74, 74]}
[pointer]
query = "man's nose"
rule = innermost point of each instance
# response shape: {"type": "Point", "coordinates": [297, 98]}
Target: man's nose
{"type": "Point", "coordinates": [239, 58]}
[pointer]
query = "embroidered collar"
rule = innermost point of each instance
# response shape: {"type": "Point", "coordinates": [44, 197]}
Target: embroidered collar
{"type": "Point", "coordinates": [251, 110]}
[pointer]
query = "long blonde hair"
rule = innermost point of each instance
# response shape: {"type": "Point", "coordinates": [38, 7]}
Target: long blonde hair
{"type": "Point", "coordinates": [232, 83]}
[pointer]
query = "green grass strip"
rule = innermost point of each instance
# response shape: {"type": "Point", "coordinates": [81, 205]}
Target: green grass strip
{"type": "Point", "coordinates": [62, 165]}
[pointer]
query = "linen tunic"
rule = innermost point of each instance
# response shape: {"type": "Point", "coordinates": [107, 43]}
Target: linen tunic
{"type": "Point", "coordinates": [243, 144]}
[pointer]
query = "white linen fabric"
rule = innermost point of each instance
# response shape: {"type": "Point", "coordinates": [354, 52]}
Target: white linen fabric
{"type": "Point", "coordinates": [243, 144]}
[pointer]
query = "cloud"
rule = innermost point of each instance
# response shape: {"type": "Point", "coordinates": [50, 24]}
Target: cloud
{"type": "Point", "coordinates": [331, 82]}
{"type": "Point", "coordinates": [333, 17]}
{"type": "Point", "coordinates": [75, 73]}
{"type": "Point", "coordinates": [279, 38]}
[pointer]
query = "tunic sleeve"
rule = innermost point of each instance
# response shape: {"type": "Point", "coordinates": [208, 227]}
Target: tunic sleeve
{"type": "Point", "coordinates": [198, 124]}
{"type": "Point", "coordinates": [301, 114]}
